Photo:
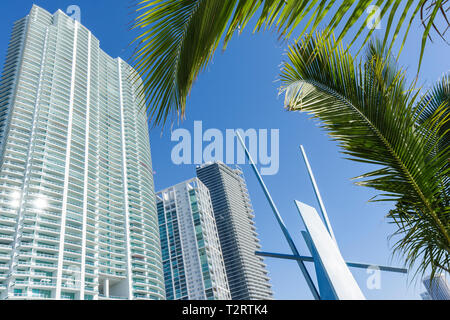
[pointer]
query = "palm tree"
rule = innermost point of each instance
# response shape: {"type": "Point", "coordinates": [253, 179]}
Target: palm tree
{"type": "Point", "coordinates": [376, 118]}
{"type": "Point", "coordinates": [179, 37]}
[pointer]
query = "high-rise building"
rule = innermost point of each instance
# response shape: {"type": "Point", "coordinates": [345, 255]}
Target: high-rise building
{"type": "Point", "coordinates": [78, 216]}
{"type": "Point", "coordinates": [246, 272]}
{"type": "Point", "coordinates": [193, 264]}
{"type": "Point", "coordinates": [438, 288]}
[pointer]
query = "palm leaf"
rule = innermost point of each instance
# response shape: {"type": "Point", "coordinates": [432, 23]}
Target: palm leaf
{"type": "Point", "coordinates": [179, 37]}
{"type": "Point", "coordinates": [367, 107]}
{"type": "Point", "coordinates": [436, 107]}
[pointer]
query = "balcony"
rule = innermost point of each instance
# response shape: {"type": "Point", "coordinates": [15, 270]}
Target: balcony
{"type": "Point", "coordinates": [53, 239]}
{"type": "Point", "coordinates": [6, 228]}
{"type": "Point", "coordinates": [5, 247]}
{"type": "Point", "coordinates": [120, 275]}
{"type": "Point", "coordinates": [47, 256]}
{"type": "Point", "coordinates": [5, 237]}
{"type": "Point", "coordinates": [47, 266]}
{"type": "Point", "coordinates": [7, 219]}
{"type": "Point", "coordinates": [44, 247]}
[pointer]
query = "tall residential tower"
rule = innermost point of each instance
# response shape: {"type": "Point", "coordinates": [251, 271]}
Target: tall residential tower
{"type": "Point", "coordinates": [246, 272]}
{"type": "Point", "coordinates": [193, 264]}
{"type": "Point", "coordinates": [78, 217]}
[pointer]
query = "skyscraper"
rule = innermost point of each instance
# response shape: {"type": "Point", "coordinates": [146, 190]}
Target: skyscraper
{"type": "Point", "coordinates": [246, 272]}
{"type": "Point", "coordinates": [438, 288]}
{"type": "Point", "coordinates": [77, 210]}
{"type": "Point", "coordinates": [192, 258]}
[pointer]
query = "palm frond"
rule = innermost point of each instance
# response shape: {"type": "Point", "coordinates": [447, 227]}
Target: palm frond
{"type": "Point", "coordinates": [435, 106]}
{"type": "Point", "coordinates": [367, 107]}
{"type": "Point", "coordinates": [176, 43]}
{"type": "Point", "coordinates": [178, 37]}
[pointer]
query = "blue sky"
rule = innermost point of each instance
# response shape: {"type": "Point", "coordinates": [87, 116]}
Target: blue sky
{"type": "Point", "coordinates": [239, 90]}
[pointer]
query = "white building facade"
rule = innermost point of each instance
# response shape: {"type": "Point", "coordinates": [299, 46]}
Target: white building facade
{"type": "Point", "coordinates": [78, 217]}
{"type": "Point", "coordinates": [192, 257]}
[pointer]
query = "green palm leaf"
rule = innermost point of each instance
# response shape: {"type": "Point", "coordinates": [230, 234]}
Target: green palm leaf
{"type": "Point", "coordinates": [178, 37]}
{"type": "Point", "coordinates": [436, 107]}
{"type": "Point", "coordinates": [367, 107]}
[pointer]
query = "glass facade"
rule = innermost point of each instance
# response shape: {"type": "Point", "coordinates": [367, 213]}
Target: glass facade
{"type": "Point", "coordinates": [192, 257]}
{"type": "Point", "coordinates": [77, 210]}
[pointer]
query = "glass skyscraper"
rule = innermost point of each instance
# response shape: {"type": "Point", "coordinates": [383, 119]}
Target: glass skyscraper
{"type": "Point", "coordinates": [193, 264]}
{"type": "Point", "coordinates": [246, 272]}
{"type": "Point", "coordinates": [78, 216]}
